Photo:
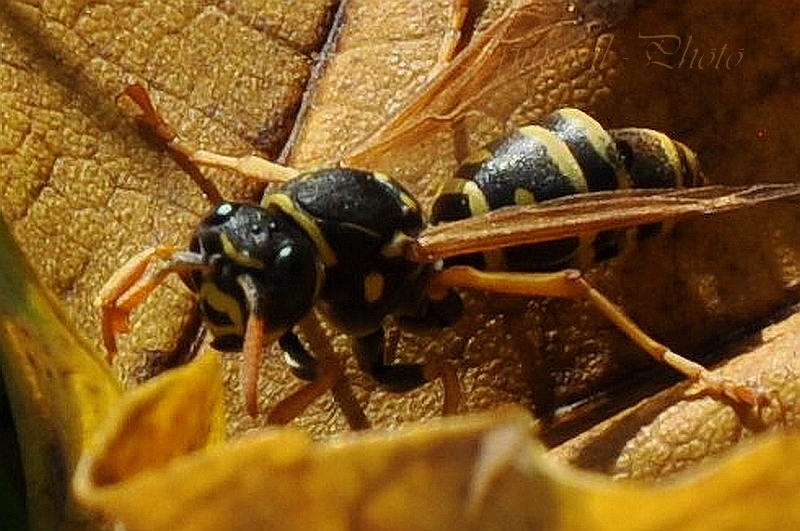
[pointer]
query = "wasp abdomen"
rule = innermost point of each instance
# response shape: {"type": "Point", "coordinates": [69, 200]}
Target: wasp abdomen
{"type": "Point", "coordinates": [654, 160]}
{"type": "Point", "coordinates": [567, 153]}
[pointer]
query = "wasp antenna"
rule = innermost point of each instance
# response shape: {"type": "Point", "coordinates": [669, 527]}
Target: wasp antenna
{"type": "Point", "coordinates": [254, 339]}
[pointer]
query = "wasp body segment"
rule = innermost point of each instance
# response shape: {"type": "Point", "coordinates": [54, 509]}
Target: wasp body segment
{"type": "Point", "coordinates": [568, 153]}
{"type": "Point", "coordinates": [355, 218]}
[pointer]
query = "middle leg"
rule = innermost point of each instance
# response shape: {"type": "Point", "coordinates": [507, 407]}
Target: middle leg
{"type": "Point", "coordinates": [401, 377]}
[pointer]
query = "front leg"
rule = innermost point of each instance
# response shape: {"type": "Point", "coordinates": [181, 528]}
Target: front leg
{"type": "Point", "coordinates": [132, 283]}
{"type": "Point", "coordinates": [402, 377]}
{"type": "Point", "coordinates": [300, 361]}
{"type": "Point", "coordinates": [322, 375]}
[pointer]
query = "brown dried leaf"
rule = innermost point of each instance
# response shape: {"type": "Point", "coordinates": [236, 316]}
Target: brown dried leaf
{"type": "Point", "coordinates": [536, 57]}
{"type": "Point", "coordinates": [680, 428]}
{"type": "Point", "coordinates": [381, 55]}
{"type": "Point", "coordinates": [94, 193]}
{"type": "Point", "coordinates": [82, 189]}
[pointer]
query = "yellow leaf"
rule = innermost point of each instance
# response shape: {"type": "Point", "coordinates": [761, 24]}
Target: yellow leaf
{"type": "Point", "coordinates": [479, 472]}
{"type": "Point", "coordinates": [174, 414]}
{"type": "Point", "coordinates": [58, 386]}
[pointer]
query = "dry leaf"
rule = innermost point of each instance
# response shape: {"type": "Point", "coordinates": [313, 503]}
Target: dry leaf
{"type": "Point", "coordinates": [484, 472]}
{"type": "Point", "coordinates": [80, 187]}
{"type": "Point", "coordinates": [679, 428]}
{"type": "Point", "coordinates": [381, 56]}
{"type": "Point", "coordinates": [535, 58]}
{"type": "Point", "coordinates": [83, 191]}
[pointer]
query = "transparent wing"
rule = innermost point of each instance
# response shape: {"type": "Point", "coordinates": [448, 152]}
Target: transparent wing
{"type": "Point", "coordinates": [587, 214]}
{"type": "Point", "coordinates": [538, 56]}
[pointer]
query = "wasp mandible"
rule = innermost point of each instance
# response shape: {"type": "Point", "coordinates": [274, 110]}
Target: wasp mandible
{"type": "Point", "coordinates": [516, 219]}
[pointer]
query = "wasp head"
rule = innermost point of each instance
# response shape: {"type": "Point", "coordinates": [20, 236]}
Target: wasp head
{"type": "Point", "coordinates": [259, 261]}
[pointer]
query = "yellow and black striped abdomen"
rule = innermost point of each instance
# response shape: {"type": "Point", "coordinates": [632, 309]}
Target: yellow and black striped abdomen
{"type": "Point", "coordinates": [567, 153]}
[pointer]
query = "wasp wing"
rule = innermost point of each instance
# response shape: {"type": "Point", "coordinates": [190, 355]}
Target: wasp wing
{"type": "Point", "coordinates": [538, 56]}
{"type": "Point", "coordinates": [586, 214]}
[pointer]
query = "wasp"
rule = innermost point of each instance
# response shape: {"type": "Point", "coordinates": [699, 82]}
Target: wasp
{"type": "Point", "coordinates": [519, 217]}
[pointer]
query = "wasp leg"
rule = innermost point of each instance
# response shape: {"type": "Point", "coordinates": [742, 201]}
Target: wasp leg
{"type": "Point", "coordinates": [131, 284]}
{"type": "Point", "coordinates": [250, 166]}
{"type": "Point", "coordinates": [571, 284]}
{"type": "Point", "coordinates": [343, 394]}
{"type": "Point", "coordinates": [401, 377]}
{"type": "Point", "coordinates": [293, 405]}
{"type": "Point", "coordinates": [300, 361]}
{"type": "Point", "coordinates": [322, 376]}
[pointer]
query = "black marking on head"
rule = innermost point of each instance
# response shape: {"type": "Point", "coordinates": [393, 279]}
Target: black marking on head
{"type": "Point", "coordinates": [247, 241]}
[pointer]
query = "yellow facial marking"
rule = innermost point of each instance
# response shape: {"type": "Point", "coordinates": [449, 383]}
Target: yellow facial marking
{"type": "Point", "coordinates": [240, 257]}
{"type": "Point", "coordinates": [225, 304]}
{"type": "Point", "coordinates": [287, 206]}
{"type": "Point", "coordinates": [373, 287]}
